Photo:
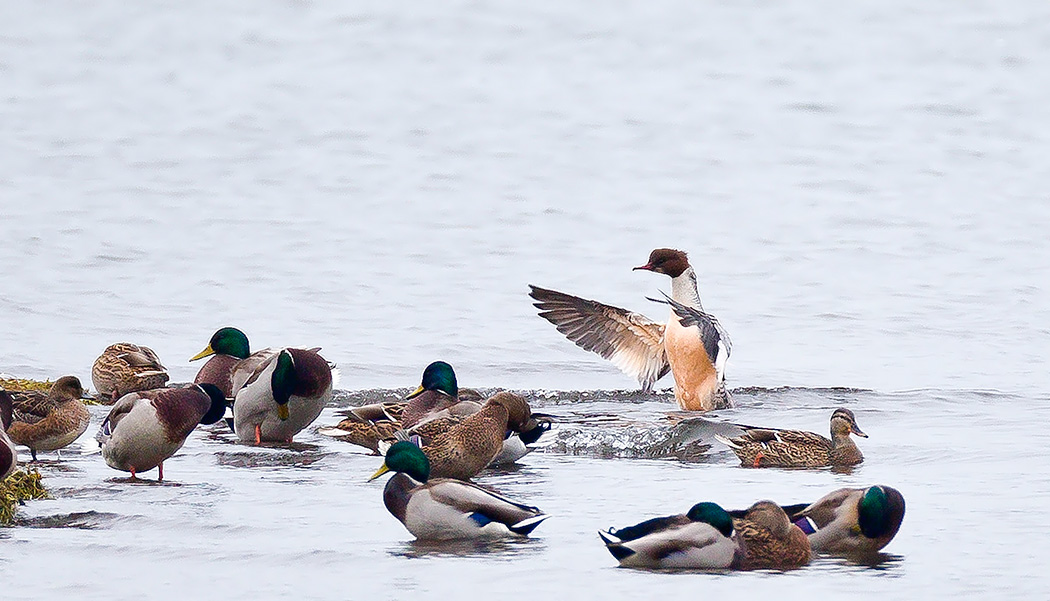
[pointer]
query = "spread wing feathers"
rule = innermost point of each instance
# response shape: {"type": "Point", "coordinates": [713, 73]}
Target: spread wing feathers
{"type": "Point", "coordinates": [716, 340]}
{"type": "Point", "coordinates": [632, 341]}
{"type": "Point", "coordinates": [471, 498]}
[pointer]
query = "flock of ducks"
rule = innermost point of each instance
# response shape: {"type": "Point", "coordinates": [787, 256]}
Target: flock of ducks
{"type": "Point", "coordinates": [440, 436]}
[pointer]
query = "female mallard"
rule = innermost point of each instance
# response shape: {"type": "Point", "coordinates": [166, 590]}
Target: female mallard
{"type": "Point", "coordinates": [144, 428]}
{"type": "Point", "coordinates": [52, 421]}
{"type": "Point", "coordinates": [770, 447]}
{"type": "Point", "coordinates": [769, 539]}
{"type": "Point", "coordinates": [851, 521]}
{"type": "Point", "coordinates": [279, 393]}
{"type": "Point", "coordinates": [228, 346]}
{"type": "Point", "coordinates": [367, 425]}
{"type": "Point", "coordinates": [443, 509]}
{"type": "Point", "coordinates": [702, 538]}
{"type": "Point", "coordinates": [460, 448]}
{"type": "Point", "coordinates": [125, 367]}
{"type": "Point", "coordinates": [8, 454]}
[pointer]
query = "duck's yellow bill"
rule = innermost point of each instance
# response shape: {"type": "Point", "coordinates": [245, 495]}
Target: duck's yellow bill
{"type": "Point", "coordinates": [282, 412]}
{"type": "Point", "coordinates": [379, 472]}
{"type": "Point", "coordinates": [416, 393]}
{"type": "Point", "coordinates": [206, 352]}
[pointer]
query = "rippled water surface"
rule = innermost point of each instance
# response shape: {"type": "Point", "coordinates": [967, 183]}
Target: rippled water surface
{"type": "Point", "coordinates": [861, 188]}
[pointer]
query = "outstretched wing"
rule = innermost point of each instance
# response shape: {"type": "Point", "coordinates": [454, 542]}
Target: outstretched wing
{"type": "Point", "coordinates": [716, 340]}
{"type": "Point", "coordinates": [632, 341]}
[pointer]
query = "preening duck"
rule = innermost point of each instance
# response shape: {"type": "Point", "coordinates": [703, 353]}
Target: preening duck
{"type": "Point", "coordinates": [851, 521]}
{"type": "Point", "coordinates": [692, 344]}
{"type": "Point", "coordinates": [278, 393]}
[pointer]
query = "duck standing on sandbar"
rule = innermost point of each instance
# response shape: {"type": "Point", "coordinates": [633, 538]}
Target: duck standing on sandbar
{"type": "Point", "coordinates": [53, 421]}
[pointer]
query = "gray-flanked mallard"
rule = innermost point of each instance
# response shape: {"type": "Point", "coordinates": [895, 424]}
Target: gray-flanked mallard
{"type": "Point", "coordinates": [460, 448]}
{"type": "Point", "coordinates": [367, 425]}
{"type": "Point", "coordinates": [227, 347]}
{"type": "Point", "coordinates": [49, 422]}
{"type": "Point", "coordinates": [146, 427]}
{"type": "Point", "coordinates": [770, 447]}
{"type": "Point", "coordinates": [8, 454]}
{"type": "Point", "coordinates": [444, 509]}
{"type": "Point", "coordinates": [278, 393]}
{"type": "Point", "coordinates": [769, 539]}
{"type": "Point", "coordinates": [851, 521]}
{"type": "Point", "coordinates": [692, 345]}
{"type": "Point", "coordinates": [702, 538]}
{"type": "Point", "coordinates": [125, 367]}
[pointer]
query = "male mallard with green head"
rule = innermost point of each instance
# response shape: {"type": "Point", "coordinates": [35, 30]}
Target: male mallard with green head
{"type": "Point", "coordinates": [367, 425]}
{"type": "Point", "coordinates": [50, 422]}
{"type": "Point", "coordinates": [125, 367]}
{"type": "Point", "coordinates": [146, 427]}
{"type": "Point", "coordinates": [770, 447]}
{"type": "Point", "coordinates": [851, 521]}
{"type": "Point", "coordinates": [227, 347]}
{"type": "Point", "coordinates": [278, 393]}
{"type": "Point", "coordinates": [701, 538]}
{"type": "Point", "coordinates": [769, 539]}
{"type": "Point", "coordinates": [444, 509]}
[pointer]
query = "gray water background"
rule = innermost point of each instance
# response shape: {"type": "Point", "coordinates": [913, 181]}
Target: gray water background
{"type": "Point", "coordinates": [861, 187]}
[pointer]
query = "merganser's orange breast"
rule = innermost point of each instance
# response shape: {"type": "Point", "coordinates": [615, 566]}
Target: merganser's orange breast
{"type": "Point", "coordinates": [695, 377]}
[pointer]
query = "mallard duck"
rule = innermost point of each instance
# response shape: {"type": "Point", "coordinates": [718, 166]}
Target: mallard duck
{"type": "Point", "coordinates": [8, 454]}
{"type": "Point", "coordinates": [278, 393]}
{"type": "Point", "coordinates": [445, 509]}
{"type": "Point", "coordinates": [228, 346]}
{"type": "Point", "coordinates": [769, 539]}
{"type": "Point", "coordinates": [460, 448]}
{"type": "Point", "coordinates": [367, 425]}
{"type": "Point", "coordinates": [692, 345]}
{"type": "Point", "coordinates": [146, 427]}
{"type": "Point", "coordinates": [770, 447]}
{"type": "Point", "coordinates": [50, 422]}
{"type": "Point", "coordinates": [851, 521]}
{"type": "Point", "coordinates": [702, 538]}
{"type": "Point", "coordinates": [125, 367]}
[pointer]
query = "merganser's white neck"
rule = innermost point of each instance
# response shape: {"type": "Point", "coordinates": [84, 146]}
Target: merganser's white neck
{"type": "Point", "coordinates": [683, 289]}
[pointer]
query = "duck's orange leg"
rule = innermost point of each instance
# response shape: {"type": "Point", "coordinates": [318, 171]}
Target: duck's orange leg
{"type": "Point", "coordinates": [160, 470]}
{"type": "Point", "coordinates": [258, 434]}
{"type": "Point", "coordinates": [758, 459]}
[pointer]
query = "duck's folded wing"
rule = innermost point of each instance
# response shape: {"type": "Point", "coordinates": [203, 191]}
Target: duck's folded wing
{"type": "Point", "coordinates": [824, 511]}
{"type": "Point", "coordinates": [649, 527]}
{"type": "Point", "coordinates": [122, 407]}
{"type": "Point", "coordinates": [663, 543]}
{"type": "Point", "coordinates": [471, 498]}
{"type": "Point", "coordinates": [248, 369]}
{"type": "Point", "coordinates": [31, 407]}
{"type": "Point", "coordinates": [632, 341]}
{"type": "Point", "coordinates": [144, 356]}
{"type": "Point", "coordinates": [716, 340]}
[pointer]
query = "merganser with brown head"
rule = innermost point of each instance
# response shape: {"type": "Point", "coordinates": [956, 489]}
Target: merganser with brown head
{"type": "Point", "coordinates": [692, 345]}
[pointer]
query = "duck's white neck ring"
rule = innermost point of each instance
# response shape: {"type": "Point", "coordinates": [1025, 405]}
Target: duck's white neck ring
{"type": "Point", "coordinates": [683, 289]}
